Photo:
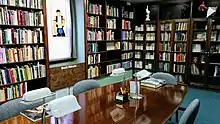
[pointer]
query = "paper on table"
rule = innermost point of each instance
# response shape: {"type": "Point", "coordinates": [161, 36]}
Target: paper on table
{"type": "Point", "coordinates": [133, 87]}
{"type": "Point", "coordinates": [142, 74]}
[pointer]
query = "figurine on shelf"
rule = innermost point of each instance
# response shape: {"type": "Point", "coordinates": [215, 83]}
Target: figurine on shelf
{"type": "Point", "coordinates": [147, 14]}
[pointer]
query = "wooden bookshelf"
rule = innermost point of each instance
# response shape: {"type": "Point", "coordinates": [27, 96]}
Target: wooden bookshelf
{"type": "Point", "coordinates": [22, 72]}
{"type": "Point", "coordinates": [112, 50]}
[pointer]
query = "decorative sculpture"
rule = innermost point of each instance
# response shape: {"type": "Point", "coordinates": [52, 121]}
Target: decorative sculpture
{"type": "Point", "coordinates": [147, 14]}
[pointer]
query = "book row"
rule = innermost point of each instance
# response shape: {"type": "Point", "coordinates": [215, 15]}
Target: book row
{"type": "Point", "coordinates": [148, 66]}
{"type": "Point", "coordinates": [165, 46]}
{"type": "Point", "coordinates": [181, 26]}
{"type": "Point", "coordinates": [110, 68]}
{"type": "Point", "coordinates": [138, 46]}
{"type": "Point", "coordinates": [139, 36]}
{"type": "Point", "coordinates": [195, 70]}
{"type": "Point", "coordinates": [126, 24]}
{"type": "Point", "coordinates": [25, 53]}
{"type": "Point", "coordinates": [138, 64]}
{"type": "Point", "coordinates": [95, 35]}
{"type": "Point", "coordinates": [127, 45]}
{"type": "Point", "coordinates": [166, 27]}
{"type": "Point", "coordinates": [179, 68]}
{"type": "Point", "coordinates": [94, 9]}
{"type": "Point", "coordinates": [13, 92]}
{"type": "Point", "coordinates": [126, 65]}
{"type": "Point", "coordinates": [179, 78]}
{"type": "Point", "coordinates": [127, 35]}
{"type": "Point", "coordinates": [22, 73]}
{"type": "Point", "coordinates": [164, 66]}
{"type": "Point", "coordinates": [126, 56]}
{"type": "Point", "coordinates": [92, 47]}
{"type": "Point", "coordinates": [20, 36]}
{"type": "Point", "coordinates": [139, 28]}
{"type": "Point", "coordinates": [179, 36]}
{"type": "Point", "coordinates": [164, 56]}
{"type": "Point", "coordinates": [93, 72]}
{"type": "Point", "coordinates": [149, 55]}
{"type": "Point", "coordinates": [110, 35]}
{"type": "Point", "coordinates": [93, 21]}
{"type": "Point", "coordinates": [150, 36]}
{"type": "Point", "coordinates": [179, 57]}
{"type": "Point", "coordinates": [23, 3]}
{"type": "Point", "coordinates": [137, 55]}
{"type": "Point", "coordinates": [150, 46]}
{"type": "Point", "coordinates": [180, 47]}
{"type": "Point", "coordinates": [111, 23]}
{"type": "Point", "coordinates": [20, 17]}
{"type": "Point", "coordinates": [112, 11]}
{"type": "Point", "coordinates": [165, 36]}
{"type": "Point", "coordinates": [127, 14]}
{"type": "Point", "coordinates": [150, 27]}
{"type": "Point", "coordinates": [94, 59]}
{"type": "Point", "coordinates": [113, 46]}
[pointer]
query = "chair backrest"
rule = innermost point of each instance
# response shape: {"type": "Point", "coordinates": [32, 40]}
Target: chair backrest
{"type": "Point", "coordinates": [14, 107]}
{"type": "Point", "coordinates": [190, 113]}
{"type": "Point", "coordinates": [85, 85]}
{"type": "Point", "coordinates": [170, 79]}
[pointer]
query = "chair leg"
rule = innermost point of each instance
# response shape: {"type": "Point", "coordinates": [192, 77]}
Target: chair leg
{"type": "Point", "coordinates": [177, 115]}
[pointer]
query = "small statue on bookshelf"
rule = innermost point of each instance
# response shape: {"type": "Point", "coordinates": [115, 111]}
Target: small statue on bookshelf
{"type": "Point", "coordinates": [147, 14]}
{"type": "Point", "coordinates": [58, 25]}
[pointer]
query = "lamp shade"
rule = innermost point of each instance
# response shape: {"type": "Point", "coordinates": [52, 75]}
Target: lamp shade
{"type": "Point", "coordinates": [118, 72]}
{"type": "Point", "coordinates": [36, 94]}
{"type": "Point", "coordinates": [63, 106]}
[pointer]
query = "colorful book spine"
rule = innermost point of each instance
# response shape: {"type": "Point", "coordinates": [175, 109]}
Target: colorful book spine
{"type": "Point", "coordinates": [20, 17]}
{"type": "Point", "coordinates": [179, 68]}
{"type": "Point", "coordinates": [127, 35]}
{"type": "Point", "coordinates": [127, 65]}
{"type": "Point", "coordinates": [25, 53]}
{"type": "Point", "coordinates": [127, 45]}
{"type": "Point", "coordinates": [94, 9]}
{"type": "Point", "coordinates": [125, 56]}
{"type": "Point", "coordinates": [13, 92]}
{"type": "Point", "coordinates": [93, 21]}
{"type": "Point", "coordinates": [93, 72]}
{"type": "Point", "coordinates": [22, 73]}
{"type": "Point", "coordinates": [112, 11]}
{"type": "Point", "coordinates": [111, 23]}
{"type": "Point", "coordinates": [126, 24]}
{"type": "Point", "coordinates": [37, 4]}
{"type": "Point", "coordinates": [139, 64]}
{"type": "Point", "coordinates": [94, 59]}
{"type": "Point", "coordinates": [20, 36]}
{"type": "Point", "coordinates": [95, 35]}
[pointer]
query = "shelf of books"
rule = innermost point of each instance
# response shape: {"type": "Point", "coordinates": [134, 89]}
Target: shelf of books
{"type": "Point", "coordinates": [22, 48]}
{"type": "Point", "coordinates": [150, 46]}
{"type": "Point", "coordinates": [213, 71]}
{"type": "Point", "coordinates": [165, 46]}
{"type": "Point", "coordinates": [109, 37]}
{"type": "Point", "coordinates": [199, 47]}
{"type": "Point", "coordinates": [139, 47]}
{"type": "Point", "coordinates": [180, 49]}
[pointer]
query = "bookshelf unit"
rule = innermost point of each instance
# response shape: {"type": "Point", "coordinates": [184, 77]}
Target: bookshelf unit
{"type": "Point", "coordinates": [108, 36]}
{"type": "Point", "coordinates": [23, 45]}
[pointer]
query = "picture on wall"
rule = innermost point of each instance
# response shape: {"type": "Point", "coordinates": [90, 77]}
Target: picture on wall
{"type": "Point", "coordinates": [59, 20]}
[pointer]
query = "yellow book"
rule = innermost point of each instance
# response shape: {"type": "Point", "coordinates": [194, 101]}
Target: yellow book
{"type": "Point", "coordinates": [28, 73]}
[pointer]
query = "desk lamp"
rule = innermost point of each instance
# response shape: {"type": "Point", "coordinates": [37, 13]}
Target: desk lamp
{"type": "Point", "coordinates": [139, 76]}
{"type": "Point", "coordinates": [121, 96]}
{"type": "Point", "coordinates": [62, 106]}
{"type": "Point", "coordinates": [34, 96]}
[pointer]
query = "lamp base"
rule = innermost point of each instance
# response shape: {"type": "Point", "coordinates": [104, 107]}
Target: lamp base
{"type": "Point", "coordinates": [136, 96]}
{"type": "Point", "coordinates": [121, 98]}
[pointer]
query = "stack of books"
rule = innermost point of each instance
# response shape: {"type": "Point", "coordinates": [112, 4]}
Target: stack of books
{"type": "Point", "coordinates": [152, 83]}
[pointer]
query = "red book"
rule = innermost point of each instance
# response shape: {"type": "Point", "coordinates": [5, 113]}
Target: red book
{"type": "Point", "coordinates": [19, 17]}
{"type": "Point", "coordinates": [9, 76]}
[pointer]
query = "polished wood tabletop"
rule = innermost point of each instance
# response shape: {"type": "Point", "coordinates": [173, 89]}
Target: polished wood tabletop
{"type": "Point", "coordinates": [99, 107]}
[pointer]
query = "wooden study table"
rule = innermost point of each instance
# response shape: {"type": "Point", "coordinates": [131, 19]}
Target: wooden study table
{"type": "Point", "coordinates": [98, 107]}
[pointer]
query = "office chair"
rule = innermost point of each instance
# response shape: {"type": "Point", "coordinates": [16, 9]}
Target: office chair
{"type": "Point", "coordinates": [14, 107]}
{"type": "Point", "coordinates": [85, 85]}
{"type": "Point", "coordinates": [190, 113]}
{"type": "Point", "coordinates": [170, 79]}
